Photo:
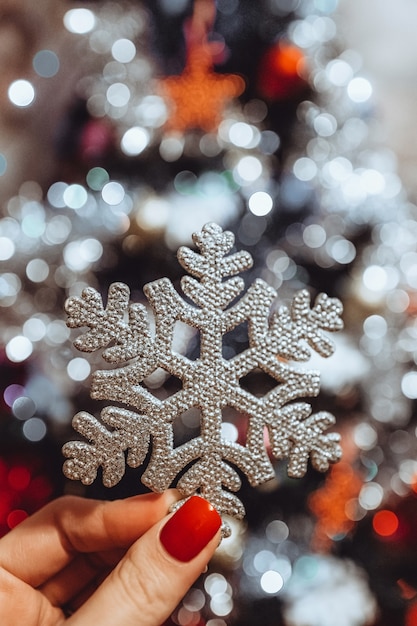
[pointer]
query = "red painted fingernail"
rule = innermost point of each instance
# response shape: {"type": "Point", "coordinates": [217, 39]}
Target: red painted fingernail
{"type": "Point", "coordinates": [190, 529]}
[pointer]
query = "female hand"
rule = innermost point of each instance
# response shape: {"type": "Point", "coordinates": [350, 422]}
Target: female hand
{"type": "Point", "coordinates": [79, 562]}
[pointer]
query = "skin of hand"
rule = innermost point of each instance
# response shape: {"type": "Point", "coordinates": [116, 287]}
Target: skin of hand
{"type": "Point", "coordinates": [123, 562]}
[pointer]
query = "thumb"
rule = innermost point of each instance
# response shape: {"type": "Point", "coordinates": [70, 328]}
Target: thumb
{"type": "Point", "coordinates": [157, 571]}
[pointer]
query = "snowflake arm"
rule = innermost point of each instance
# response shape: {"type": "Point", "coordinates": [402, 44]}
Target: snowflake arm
{"type": "Point", "coordinates": [106, 448]}
{"type": "Point", "coordinates": [309, 322]}
{"type": "Point", "coordinates": [108, 324]}
{"type": "Point", "coordinates": [224, 476]}
{"type": "Point", "coordinates": [299, 435]}
{"type": "Point", "coordinates": [212, 264]}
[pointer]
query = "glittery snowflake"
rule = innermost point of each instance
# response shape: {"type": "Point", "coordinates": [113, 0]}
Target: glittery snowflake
{"type": "Point", "coordinates": [207, 464]}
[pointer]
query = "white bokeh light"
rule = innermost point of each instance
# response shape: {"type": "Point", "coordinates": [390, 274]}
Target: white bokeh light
{"type": "Point", "coordinates": [305, 169]}
{"type": "Point", "coordinates": [243, 135]}
{"type": "Point", "coordinates": [373, 181]}
{"type": "Point", "coordinates": [215, 583]}
{"type": "Point", "coordinates": [123, 50]}
{"type": "Point", "coordinates": [134, 141]}
{"type": "Point", "coordinates": [19, 348]}
{"type": "Point", "coordinates": [34, 329]}
{"type": "Point", "coordinates": [118, 94]}
{"type": "Point", "coordinates": [271, 581]}
{"type": "Point", "coordinates": [221, 604]}
{"type": "Point", "coordinates": [21, 93]}
{"type": "Point", "coordinates": [57, 332]}
{"type": "Point", "coordinates": [55, 194]}
{"type": "Point", "coordinates": [75, 196]}
{"type": "Point", "coordinates": [78, 369]}
{"type": "Point", "coordinates": [260, 203]}
{"type": "Point", "coordinates": [375, 278]}
{"type": "Point", "coordinates": [7, 248]}
{"type": "Point", "coordinates": [113, 193]}
{"type": "Point", "coordinates": [359, 89]}
{"type": "Point", "coordinates": [325, 124]}
{"type": "Point", "coordinates": [37, 270]}
{"type": "Point", "coordinates": [79, 21]}
{"type": "Point", "coordinates": [340, 249]}
{"type": "Point", "coordinates": [339, 72]}
{"type": "Point", "coordinates": [314, 235]}
{"type": "Point", "coordinates": [365, 436]}
{"type": "Point", "coordinates": [248, 169]}
{"type": "Point", "coordinates": [370, 496]}
{"type": "Point", "coordinates": [409, 385]}
{"type": "Point", "coordinates": [91, 249]}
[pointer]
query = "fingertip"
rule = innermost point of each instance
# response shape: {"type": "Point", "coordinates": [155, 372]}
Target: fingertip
{"type": "Point", "coordinates": [190, 529]}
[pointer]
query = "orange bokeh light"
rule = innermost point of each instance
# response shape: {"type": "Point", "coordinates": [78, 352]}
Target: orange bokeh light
{"type": "Point", "coordinates": [385, 523]}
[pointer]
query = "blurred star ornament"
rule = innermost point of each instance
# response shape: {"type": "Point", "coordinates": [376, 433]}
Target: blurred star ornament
{"type": "Point", "coordinates": [210, 383]}
{"type": "Point", "coordinates": [198, 97]}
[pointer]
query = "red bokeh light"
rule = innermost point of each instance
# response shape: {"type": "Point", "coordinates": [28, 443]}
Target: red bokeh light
{"type": "Point", "coordinates": [385, 523]}
{"type": "Point", "coordinates": [19, 478]}
{"type": "Point", "coordinates": [15, 517]}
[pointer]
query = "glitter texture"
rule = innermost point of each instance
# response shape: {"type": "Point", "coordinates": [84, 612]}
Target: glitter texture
{"type": "Point", "coordinates": [207, 463]}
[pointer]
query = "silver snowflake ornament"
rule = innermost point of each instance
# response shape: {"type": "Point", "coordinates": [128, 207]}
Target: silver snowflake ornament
{"type": "Point", "coordinates": [207, 463]}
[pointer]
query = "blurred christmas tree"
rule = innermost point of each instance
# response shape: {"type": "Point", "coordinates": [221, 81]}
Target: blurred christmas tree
{"type": "Point", "coordinates": [125, 128]}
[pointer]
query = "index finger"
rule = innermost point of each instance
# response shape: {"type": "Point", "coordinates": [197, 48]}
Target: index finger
{"type": "Point", "coordinates": [45, 543]}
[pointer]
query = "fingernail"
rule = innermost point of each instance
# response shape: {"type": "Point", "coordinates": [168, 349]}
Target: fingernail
{"type": "Point", "coordinates": [190, 529]}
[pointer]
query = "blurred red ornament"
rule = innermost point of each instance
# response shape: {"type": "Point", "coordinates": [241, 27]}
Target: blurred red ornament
{"type": "Point", "coordinates": [281, 72]}
{"type": "Point", "coordinates": [24, 488]}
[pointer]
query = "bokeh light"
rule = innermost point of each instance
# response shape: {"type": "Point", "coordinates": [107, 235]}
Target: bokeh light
{"type": "Point", "coordinates": [135, 140]}
{"type": "Point", "coordinates": [123, 50]}
{"type": "Point", "coordinates": [79, 20]}
{"type": "Point", "coordinates": [19, 348]}
{"type": "Point", "coordinates": [359, 89]}
{"type": "Point", "coordinates": [271, 582]}
{"type": "Point", "coordinates": [260, 203]}
{"type": "Point", "coordinates": [46, 63]}
{"type": "Point", "coordinates": [21, 93]}
{"type": "Point", "coordinates": [385, 523]}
